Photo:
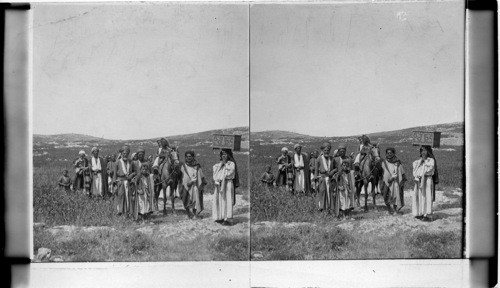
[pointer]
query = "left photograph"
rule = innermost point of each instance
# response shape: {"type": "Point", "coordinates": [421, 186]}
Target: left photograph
{"type": "Point", "coordinates": [140, 122]}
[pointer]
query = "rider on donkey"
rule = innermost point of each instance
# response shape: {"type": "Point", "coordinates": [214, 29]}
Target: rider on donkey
{"type": "Point", "coordinates": [364, 149]}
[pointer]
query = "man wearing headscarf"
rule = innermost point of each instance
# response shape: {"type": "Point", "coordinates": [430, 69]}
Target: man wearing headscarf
{"type": "Point", "coordinates": [82, 173]}
{"type": "Point", "coordinates": [300, 163]}
{"type": "Point", "coordinates": [312, 170]}
{"type": "Point", "coordinates": [394, 179]}
{"type": "Point", "coordinates": [110, 169]}
{"type": "Point", "coordinates": [424, 191]}
{"type": "Point", "coordinates": [98, 169]}
{"type": "Point", "coordinates": [364, 149]}
{"type": "Point", "coordinates": [138, 159]}
{"type": "Point", "coordinates": [284, 162]}
{"type": "Point", "coordinates": [193, 183]}
{"type": "Point", "coordinates": [122, 177]}
{"type": "Point", "coordinates": [226, 180]}
{"type": "Point", "coordinates": [324, 174]}
{"type": "Point", "coordinates": [144, 189]}
{"type": "Point", "coordinates": [342, 166]}
{"type": "Point", "coordinates": [340, 157]}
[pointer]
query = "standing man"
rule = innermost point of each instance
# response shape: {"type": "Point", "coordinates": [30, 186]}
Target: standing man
{"type": "Point", "coordinates": [300, 162]}
{"type": "Point", "coordinates": [285, 171]}
{"type": "Point", "coordinates": [324, 174]}
{"type": "Point", "coordinates": [122, 177]}
{"type": "Point", "coordinates": [81, 165]}
{"type": "Point", "coordinates": [343, 168]}
{"type": "Point", "coordinates": [394, 179]}
{"type": "Point", "coordinates": [110, 171]}
{"type": "Point", "coordinates": [312, 171]}
{"type": "Point", "coordinates": [98, 169]}
{"type": "Point", "coordinates": [193, 183]}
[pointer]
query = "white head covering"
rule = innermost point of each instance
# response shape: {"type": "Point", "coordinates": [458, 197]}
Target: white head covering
{"type": "Point", "coordinates": [94, 149]}
{"type": "Point", "coordinates": [284, 149]}
{"type": "Point", "coordinates": [81, 152]}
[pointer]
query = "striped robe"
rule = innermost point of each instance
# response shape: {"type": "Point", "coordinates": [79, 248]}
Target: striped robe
{"type": "Point", "coordinates": [324, 167]}
{"type": "Point", "coordinates": [122, 174]}
{"type": "Point", "coordinates": [394, 194]}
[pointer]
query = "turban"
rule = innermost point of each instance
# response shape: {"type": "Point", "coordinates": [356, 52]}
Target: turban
{"type": "Point", "coordinates": [326, 144]}
{"type": "Point", "coordinates": [284, 149]}
{"type": "Point", "coordinates": [81, 152]}
{"type": "Point", "coordinates": [189, 152]}
{"type": "Point", "coordinates": [297, 146]}
{"type": "Point", "coordinates": [342, 146]}
{"type": "Point", "coordinates": [390, 149]}
{"type": "Point", "coordinates": [94, 149]}
{"type": "Point", "coordinates": [164, 142]}
{"type": "Point", "coordinates": [125, 148]}
{"type": "Point", "coordinates": [141, 150]}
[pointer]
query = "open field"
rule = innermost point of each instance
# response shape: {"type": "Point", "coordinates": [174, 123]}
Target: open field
{"type": "Point", "coordinates": [78, 228]}
{"type": "Point", "coordinates": [289, 227]}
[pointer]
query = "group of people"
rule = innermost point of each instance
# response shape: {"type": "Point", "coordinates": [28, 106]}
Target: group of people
{"type": "Point", "coordinates": [335, 178]}
{"type": "Point", "coordinates": [134, 181]}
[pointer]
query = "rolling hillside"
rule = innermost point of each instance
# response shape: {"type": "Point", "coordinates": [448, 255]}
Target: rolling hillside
{"type": "Point", "coordinates": [200, 136]}
{"type": "Point", "coordinates": [451, 134]}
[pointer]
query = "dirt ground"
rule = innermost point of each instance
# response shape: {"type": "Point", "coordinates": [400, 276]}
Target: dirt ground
{"type": "Point", "coordinates": [381, 223]}
{"type": "Point", "coordinates": [172, 227]}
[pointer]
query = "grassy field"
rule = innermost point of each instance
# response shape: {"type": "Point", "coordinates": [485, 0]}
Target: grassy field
{"type": "Point", "coordinates": [286, 227]}
{"type": "Point", "coordinates": [121, 239]}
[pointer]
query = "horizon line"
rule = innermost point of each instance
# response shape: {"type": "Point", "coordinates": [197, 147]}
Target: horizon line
{"type": "Point", "coordinates": [149, 138]}
{"type": "Point", "coordinates": [356, 135]}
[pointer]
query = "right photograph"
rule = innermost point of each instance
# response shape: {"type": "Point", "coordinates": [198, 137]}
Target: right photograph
{"type": "Point", "coordinates": [357, 131]}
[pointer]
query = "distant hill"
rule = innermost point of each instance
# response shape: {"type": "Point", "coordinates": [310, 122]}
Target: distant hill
{"type": "Point", "coordinates": [207, 135]}
{"type": "Point", "coordinates": [200, 136]}
{"type": "Point", "coordinates": [277, 134]}
{"type": "Point", "coordinates": [451, 134]}
{"type": "Point", "coordinates": [447, 128]}
{"type": "Point", "coordinates": [71, 137]}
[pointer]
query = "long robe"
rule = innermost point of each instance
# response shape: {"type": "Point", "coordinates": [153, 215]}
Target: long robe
{"type": "Point", "coordinates": [143, 203]}
{"type": "Point", "coordinates": [192, 194]}
{"type": "Point", "coordinates": [302, 181]}
{"type": "Point", "coordinates": [122, 173]}
{"type": "Point", "coordinates": [223, 193]}
{"type": "Point", "coordinates": [82, 176]}
{"type": "Point", "coordinates": [312, 169]}
{"type": "Point", "coordinates": [344, 191]}
{"type": "Point", "coordinates": [110, 169]}
{"type": "Point", "coordinates": [99, 186]}
{"type": "Point", "coordinates": [394, 194]}
{"type": "Point", "coordinates": [324, 167]}
{"type": "Point", "coordinates": [424, 185]}
{"type": "Point", "coordinates": [285, 175]}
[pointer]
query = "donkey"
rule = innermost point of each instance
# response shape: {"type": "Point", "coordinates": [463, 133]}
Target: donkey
{"type": "Point", "coordinates": [169, 174]}
{"type": "Point", "coordinates": [369, 173]}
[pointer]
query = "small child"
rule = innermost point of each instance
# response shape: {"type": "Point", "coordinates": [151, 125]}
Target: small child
{"type": "Point", "coordinates": [64, 181]}
{"type": "Point", "coordinates": [267, 177]}
{"type": "Point", "coordinates": [345, 185]}
{"type": "Point", "coordinates": [144, 189]}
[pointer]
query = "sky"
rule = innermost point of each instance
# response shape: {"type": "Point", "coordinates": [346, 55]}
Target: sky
{"type": "Point", "coordinates": [350, 69]}
{"type": "Point", "coordinates": [139, 71]}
